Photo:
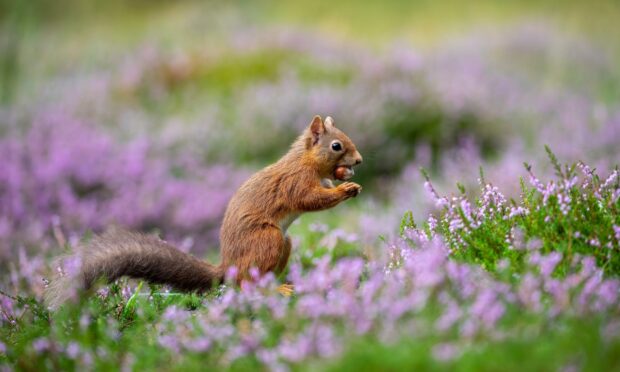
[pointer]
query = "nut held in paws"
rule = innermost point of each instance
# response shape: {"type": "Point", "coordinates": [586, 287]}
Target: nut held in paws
{"type": "Point", "coordinates": [343, 173]}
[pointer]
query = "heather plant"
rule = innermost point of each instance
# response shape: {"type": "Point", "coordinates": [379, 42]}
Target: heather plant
{"type": "Point", "coordinates": [421, 292]}
{"type": "Point", "coordinates": [62, 176]}
{"type": "Point", "coordinates": [391, 105]}
{"type": "Point", "coordinates": [574, 214]}
{"type": "Point", "coordinates": [242, 101]}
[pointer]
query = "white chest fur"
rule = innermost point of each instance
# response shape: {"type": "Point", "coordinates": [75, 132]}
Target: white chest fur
{"type": "Point", "coordinates": [327, 183]}
{"type": "Point", "coordinates": [287, 221]}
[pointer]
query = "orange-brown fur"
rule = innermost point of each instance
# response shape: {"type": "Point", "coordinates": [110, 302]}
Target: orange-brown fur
{"type": "Point", "coordinates": [253, 232]}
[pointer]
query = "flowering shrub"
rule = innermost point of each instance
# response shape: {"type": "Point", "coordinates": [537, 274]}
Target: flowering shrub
{"type": "Point", "coordinates": [245, 101]}
{"type": "Point", "coordinates": [64, 174]}
{"type": "Point", "coordinates": [581, 210]}
{"type": "Point", "coordinates": [166, 131]}
{"type": "Point", "coordinates": [457, 285]}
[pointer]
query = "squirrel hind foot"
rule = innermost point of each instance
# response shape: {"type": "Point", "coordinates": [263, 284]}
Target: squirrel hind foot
{"type": "Point", "coordinates": [286, 290]}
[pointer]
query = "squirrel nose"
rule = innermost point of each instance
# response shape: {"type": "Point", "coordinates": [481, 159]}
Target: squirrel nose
{"type": "Point", "coordinates": [358, 160]}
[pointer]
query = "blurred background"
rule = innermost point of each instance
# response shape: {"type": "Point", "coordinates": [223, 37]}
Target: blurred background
{"type": "Point", "coordinates": [149, 114]}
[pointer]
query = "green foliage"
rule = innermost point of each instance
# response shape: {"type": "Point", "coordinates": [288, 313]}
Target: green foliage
{"type": "Point", "coordinates": [573, 214]}
{"type": "Point", "coordinates": [120, 329]}
{"type": "Point", "coordinates": [407, 222]}
{"type": "Point", "coordinates": [577, 344]}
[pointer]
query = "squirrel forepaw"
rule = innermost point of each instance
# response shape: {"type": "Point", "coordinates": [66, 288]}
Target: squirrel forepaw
{"type": "Point", "coordinates": [351, 189]}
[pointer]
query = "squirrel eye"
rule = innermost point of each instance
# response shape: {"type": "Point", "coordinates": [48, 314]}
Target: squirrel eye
{"type": "Point", "coordinates": [336, 146]}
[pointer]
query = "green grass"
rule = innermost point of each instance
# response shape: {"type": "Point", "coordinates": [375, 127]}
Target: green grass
{"type": "Point", "coordinates": [576, 343]}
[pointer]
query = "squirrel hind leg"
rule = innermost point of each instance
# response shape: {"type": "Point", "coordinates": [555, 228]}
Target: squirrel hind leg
{"type": "Point", "coordinates": [265, 249]}
{"type": "Point", "coordinates": [286, 252]}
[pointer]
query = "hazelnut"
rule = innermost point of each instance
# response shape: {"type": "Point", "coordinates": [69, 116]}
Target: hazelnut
{"type": "Point", "coordinates": [343, 173]}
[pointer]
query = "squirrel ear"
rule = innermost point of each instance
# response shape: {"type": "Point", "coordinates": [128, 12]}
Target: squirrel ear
{"type": "Point", "coordinates": [329, 122]}
{"type": "Point", "coordinates": [317, 128]}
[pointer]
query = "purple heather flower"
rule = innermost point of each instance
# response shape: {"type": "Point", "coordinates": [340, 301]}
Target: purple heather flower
{"type": "Point", "coordinates": [487, 308]}
{"type": "Point", "coordinates": [170, 342]}
{"type": "Point", "coordinates": [297, 349]}
{"type": "Point", "coordinates": [588, 267]}
{"type": "Point", "coordinates": [198, 345]}
{"type": "Point", "coordinates": [85, 321]}
{"type": "Point", "coordinates": [609, 181]}
{"type": "Point", "coordinates": [40, 345]}
{"type": "Point", "coordinates": [231, 274]}
{"type": "Point", "coordinates": [174, 314]}
{"type": "Point", "coordinates": [439, 201]}
{"type": "Point", "coordinates": [327, 344]}
{"type": "Point", "coordinates": [529, 293]}
{"type": "Point", "coordinates": [450, 316]}
{"type": "Point", "coordinates": [445, 352]}
{"type": "Point", "coordinates": [6, 309]}
{"type": "Point", "coordinates": [608, 292]}
{"type": "Point", "coordinates": [517, 211]}
{"type": "Point", "coordinates": [72, 350]}
{"type": "Point", "coordinates": [103, 293]}
{"type": "Point", "coordinates": [548, 263]}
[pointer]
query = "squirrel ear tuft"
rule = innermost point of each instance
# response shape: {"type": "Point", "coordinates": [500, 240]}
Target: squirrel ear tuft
{"type": "Point", "coordinates": [317, 128]}
{"type": "Point", "coordinates": [329, 122]}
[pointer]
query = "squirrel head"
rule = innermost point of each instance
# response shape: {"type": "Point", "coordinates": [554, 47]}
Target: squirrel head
{"type": "Point", "coordinates": [330, 148]}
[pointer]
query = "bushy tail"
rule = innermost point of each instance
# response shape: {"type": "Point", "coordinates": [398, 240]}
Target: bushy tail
{"type": "Point", "coordinates": [119, 253]}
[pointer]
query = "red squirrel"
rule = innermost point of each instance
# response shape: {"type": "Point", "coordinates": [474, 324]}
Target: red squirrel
{"type": "Point", "coordinates": [253, 232]}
